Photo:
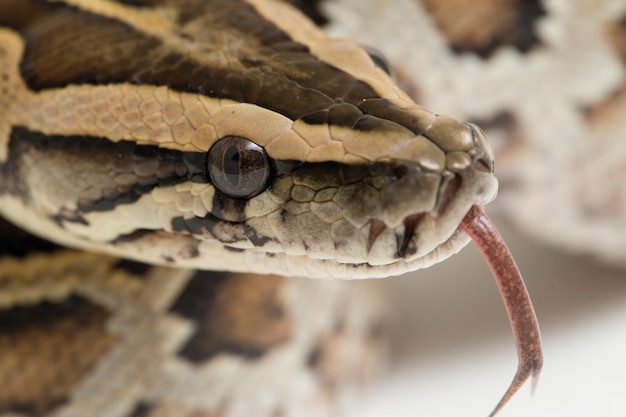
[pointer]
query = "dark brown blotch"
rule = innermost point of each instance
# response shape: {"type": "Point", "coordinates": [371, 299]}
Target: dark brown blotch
{"type": "Point", "coordinates": [45, 352]}
{"type": "Point", "coordinates": [19, 243]}
{"type": "Point", "coordinates": [616, 34]}
{"type": "Point", "coordinates": [483, 27]}
{"type": "Point", "coordinates": [238, 314]}
{"type": "Point", "coordinates": [142, 409]}
{"type": "Point", "coordinates": [606, 113]}
{"type": "Point", "coordinates": [312, 9]}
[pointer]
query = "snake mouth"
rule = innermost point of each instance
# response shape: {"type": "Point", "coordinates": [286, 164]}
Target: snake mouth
{"type": "Point", "coordinates": [404, 234]}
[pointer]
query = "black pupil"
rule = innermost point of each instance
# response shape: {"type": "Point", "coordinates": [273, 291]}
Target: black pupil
{"type": "Point", "coordinates": [232, 165]}
{"type": "Point", "coordinates": [238, 167]}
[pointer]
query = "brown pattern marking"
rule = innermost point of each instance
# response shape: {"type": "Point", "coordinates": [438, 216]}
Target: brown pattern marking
{"type": "Point", "coordinates": [610, 111]}
{"type": "Point", "coordinates": [164, 410]}
{"type": "Point", "coordinates": [484, 26]}
{"type": "Point", "coordinates": [141, 410]}
{"type": "Point", "coordinates": [312, 9]}
{"type": "Point", "coordinates": [46, 350]}
{"type": "Point", "coordinates": [139, 3]}
{"type": "Point", "coordinates": [235, 313]}
{"type": "Point", "coordinates": [505, 127]}
{"type": "Point", "coordinates": [616, 34]}
{"type": "Point", "coordinates": [17, 243]}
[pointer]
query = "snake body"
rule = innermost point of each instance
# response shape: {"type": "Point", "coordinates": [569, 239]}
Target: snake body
{"type": "Point", "coordinates": [231, 136]}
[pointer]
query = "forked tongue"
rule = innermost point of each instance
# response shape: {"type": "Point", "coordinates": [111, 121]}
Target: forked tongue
{"type": "Point", "coordinates": [515, 297]}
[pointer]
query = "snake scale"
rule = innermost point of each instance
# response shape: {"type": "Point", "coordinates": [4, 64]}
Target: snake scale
{"type": "Point", "coordinates": [190, 136]}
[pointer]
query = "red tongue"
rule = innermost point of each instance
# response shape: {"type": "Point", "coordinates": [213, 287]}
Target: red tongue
{"type": "Point", "coordinates": [514, 295]}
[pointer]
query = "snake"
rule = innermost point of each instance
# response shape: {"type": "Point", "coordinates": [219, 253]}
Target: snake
{"type": "Point", "coordinates": [164, 165]}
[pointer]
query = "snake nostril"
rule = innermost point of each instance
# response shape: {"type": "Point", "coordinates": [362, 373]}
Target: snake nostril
{"type": "Point", "coordinates": [484, 165]}
{"type": "Point", "coordinates": [401, 171]}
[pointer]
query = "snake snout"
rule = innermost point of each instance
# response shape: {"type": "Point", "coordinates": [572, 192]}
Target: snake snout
{"type": "Point", "coordinates": [482, 152]}
{"type": "Point", "coordinates": [423, 207]}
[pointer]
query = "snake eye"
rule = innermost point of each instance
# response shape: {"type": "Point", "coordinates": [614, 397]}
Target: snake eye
{"type": "Point", "coordinates": [379, 59]}
{"type": "Point", "coordinates": [238, 167]}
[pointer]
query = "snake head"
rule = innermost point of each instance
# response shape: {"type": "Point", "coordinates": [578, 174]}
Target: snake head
{"type": "Point", "coordinates": [354, 194]}
{"type": "Point", "coordinates": [382, 201]}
